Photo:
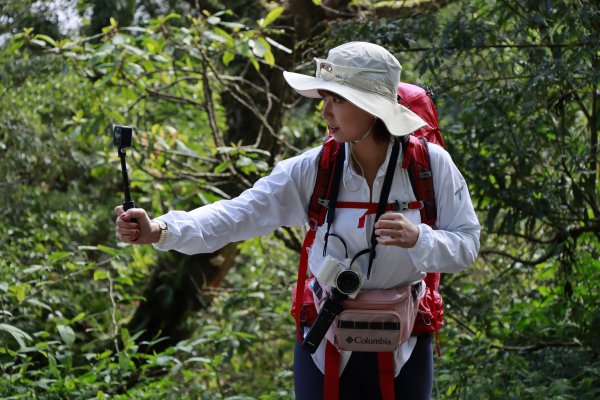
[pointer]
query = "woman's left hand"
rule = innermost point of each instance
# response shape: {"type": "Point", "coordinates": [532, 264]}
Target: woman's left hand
{"type": "Point", "coordinates": [394, 229]}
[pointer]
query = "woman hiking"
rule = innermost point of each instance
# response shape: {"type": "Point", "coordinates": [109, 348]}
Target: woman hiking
{"type": "Point", "coordinates": [357, 84]}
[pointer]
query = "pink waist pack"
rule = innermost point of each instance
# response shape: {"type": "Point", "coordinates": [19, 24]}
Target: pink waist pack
{"type": "Point", "coordinates": [377, 320]}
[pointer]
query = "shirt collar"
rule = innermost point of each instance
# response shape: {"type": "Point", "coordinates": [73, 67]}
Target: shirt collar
{"type": "Point", "coordinates": [350, 174]}
{"type": "Point", "coordinates": [350, 178]}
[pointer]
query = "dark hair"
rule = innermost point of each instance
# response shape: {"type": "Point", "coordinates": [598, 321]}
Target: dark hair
{"type": "Point", "coordinates": [381, 132]}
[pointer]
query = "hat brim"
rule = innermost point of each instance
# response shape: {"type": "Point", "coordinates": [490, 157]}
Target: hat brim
{"type": "Point", "coordinates": [398, 119]}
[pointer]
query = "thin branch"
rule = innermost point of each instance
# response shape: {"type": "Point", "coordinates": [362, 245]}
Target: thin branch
{"type": "Point", "coordinates": [461, 323]}
{"type": "Point", "coordinates": [290, 240]}
{"type": "Point", "coordinates": [198, 177]}
{"type": "Point", "coordinates": [185, 154]}
{"type": "Point", "coordinates": [497, 46]}
{"type": "Point", "coordinates": [212, 118]}
{"type": "Point", "coordinates": [165, 96]}
{"type": "Point", "coordinates": [579, 101]}
{"type": "Point", "coordinates": [250, 84]}
{"type": "Point", "coordinates": [561, 235]}
{"type": "Point", "coordinates": [337, 12]}
{"type": "Point", "coordinates": [538, 346]}
{"type": "Point", "coordinates": [504, 254]}
{"type": "Point", "coordinates": [266, 111]}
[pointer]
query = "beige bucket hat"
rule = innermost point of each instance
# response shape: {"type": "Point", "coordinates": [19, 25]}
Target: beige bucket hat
{"type": "Point", "coordinates": [366, 75]}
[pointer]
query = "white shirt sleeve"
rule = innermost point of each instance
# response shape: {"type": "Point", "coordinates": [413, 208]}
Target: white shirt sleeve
{"type": "Point", "coordinates": [279, 199]}
{"type": "Point", "coordinates": [454, 242]}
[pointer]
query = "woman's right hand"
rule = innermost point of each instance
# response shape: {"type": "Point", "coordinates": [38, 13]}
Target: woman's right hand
{"type": "Point", "coordinates": [135, 227]}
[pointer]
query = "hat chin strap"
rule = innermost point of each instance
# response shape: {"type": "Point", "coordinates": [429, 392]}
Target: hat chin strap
{"type": "Point", "coordinates": [366, 133]}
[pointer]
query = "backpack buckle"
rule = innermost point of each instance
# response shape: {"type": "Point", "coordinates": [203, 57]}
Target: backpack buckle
{"type": "Point", "coordinates": [313, 224]}
{"type": "Point", "coordinates": [303, 314]}
{"type": "Point", "coordinates": [323, 202]}
{"type": "Point", "coordinates": [408, 205]}
{"type": "Point", "coordinates": [404, 206]}
{"type": "Point", "coordinates": [400, 205]}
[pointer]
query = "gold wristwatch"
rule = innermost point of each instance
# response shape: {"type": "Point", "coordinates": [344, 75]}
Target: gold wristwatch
{"type": "Point", "coordinates": [163, 231]}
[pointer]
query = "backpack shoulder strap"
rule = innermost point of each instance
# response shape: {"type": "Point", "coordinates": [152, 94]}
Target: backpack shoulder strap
{"type": "Point", "coordinates": [416, 161]}
{"type": "Point", "coordinates": [317, 206]}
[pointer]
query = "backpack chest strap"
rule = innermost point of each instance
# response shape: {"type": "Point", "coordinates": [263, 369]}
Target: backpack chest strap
{"type": "Point", "coordinates": [371, 208]}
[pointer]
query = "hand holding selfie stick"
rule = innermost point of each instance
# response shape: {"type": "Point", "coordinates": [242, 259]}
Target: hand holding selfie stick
{"type": "Point", "coordinates": [122, 138]}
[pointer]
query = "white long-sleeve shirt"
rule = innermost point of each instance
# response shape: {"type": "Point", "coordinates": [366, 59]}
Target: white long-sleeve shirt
{"type": "Point", "coordinates": [281, 199]}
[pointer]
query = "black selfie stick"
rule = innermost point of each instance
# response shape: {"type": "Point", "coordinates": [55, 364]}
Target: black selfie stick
{"type": "Point", "coordinates": [128, 203]}
{"type": "Point", "coordinates": [122, 138]}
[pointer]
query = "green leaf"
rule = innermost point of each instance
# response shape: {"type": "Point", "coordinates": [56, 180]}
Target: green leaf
{"type": "Point", "coordinates": [108, 250]}
{"type": "Point", "coordinates": [47, 39]}
{"type": "Point", "coordinates": [78, 317]}
{"type": "Point", "coordinates": [233, 25]}
{"type": "Point", "coordinates": [134, 69]}
{"type": "Point", "coordinates": [20, 291]}
{"type": "Point", "coordinates": [211, 35]}
{"type": "Point", "coordinates": [243, 161]}
{"type": "Point", "coordinates": [58, 255]}
{"type": "Point", "coordinates": [38, 303]}
{"type": "Point", "coordinates": [227, 57]}
{"type": "Point", "coordinates": [35, 268]}
{"type": "Point", "coordinates": [67, 334]}
{"type": "Point", "coordinates": [100, 274]}
{"type": "Point", "coordinates": [134, 50]}
{"type": "Point", "coordinates": [203, 360]}
{"type": "Point", "coordinates": [229, 41]}
{"type": "Point", "coordinates": [258, 48]}
{"type": "Point", "coordinates": [69, 383]}
{"type": "Point", "coordinates": [254, 63]}
{"type": "Point", "coordinates": [18, 334]}
{"type": "Point", "coordinates": [40, 43]}
{"type": "Point", "coordinates": [53, 366]}
{"type": "Point", "coordinates": [271, 17]}
{"type": "Point", "coordinates": [213, 20]}
{"type": "Point", "coordinates": [222, 167]}
{"type": "Point", "coordinates": [268, 56]}
{"type": "Point", "coordinates": [278, 45]}
{"type": "Point", "coordinates": [87, 247]}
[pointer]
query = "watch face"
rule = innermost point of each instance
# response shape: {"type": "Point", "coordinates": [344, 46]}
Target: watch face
{"type": "Point", "coordinates": [161, 224]}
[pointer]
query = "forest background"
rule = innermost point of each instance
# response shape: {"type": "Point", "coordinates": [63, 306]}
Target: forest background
{"type": "Point", "coordinates": [81, 316]}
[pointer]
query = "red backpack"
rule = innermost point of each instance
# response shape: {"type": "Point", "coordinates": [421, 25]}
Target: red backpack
{"type": "Point", "coordinates": [416, 161]}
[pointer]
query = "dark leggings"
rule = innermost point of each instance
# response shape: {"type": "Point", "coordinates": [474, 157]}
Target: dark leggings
{"type": "Point", "coordinates": [360, 379]}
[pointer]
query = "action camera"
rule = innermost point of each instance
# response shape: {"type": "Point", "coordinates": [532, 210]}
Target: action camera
{"type": "Point", "coordinates": [122, 136]}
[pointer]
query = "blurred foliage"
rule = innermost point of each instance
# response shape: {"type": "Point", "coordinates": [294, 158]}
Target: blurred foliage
{"type": "Point", "coordinates": [517, 92]}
